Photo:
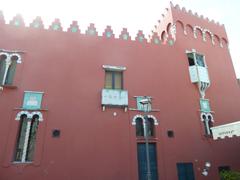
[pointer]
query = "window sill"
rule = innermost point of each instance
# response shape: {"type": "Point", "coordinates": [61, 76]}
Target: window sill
{"type": "Point", "coordinates": [144, 139]}
{"type": "Point", "coordinates": [30, 109]}
{"type": "Point", "coordinates": [20, 162]}
{"type": "Point", "coordinates": [9, 86]}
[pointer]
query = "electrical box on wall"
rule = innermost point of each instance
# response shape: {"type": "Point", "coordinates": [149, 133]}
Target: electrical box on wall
{"type": "Point", "coordinates": [198, 70]}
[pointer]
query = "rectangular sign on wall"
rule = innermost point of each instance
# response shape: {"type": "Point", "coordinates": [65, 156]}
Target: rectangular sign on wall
{"type": "Point", "coordinates": [204, 105]}
{"type": "Point", "coordinates": [32, 100]}
{"type": "Point", "coordinates": [141, 107]}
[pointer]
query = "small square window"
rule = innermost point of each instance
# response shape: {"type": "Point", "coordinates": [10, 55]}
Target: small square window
{"type": "Point", "coordinates": [170, 133]}
{"type": "Point", "coordinates": [56, 133]}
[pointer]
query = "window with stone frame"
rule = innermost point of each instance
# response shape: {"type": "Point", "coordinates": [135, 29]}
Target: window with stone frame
{"type": "Point", "coordinates": [145, 129]}
{"type": "Point", "coordinates": [207, 120]}
{"type": "Point", "coordinates": [8, 64]}
{"type": "Point", "coordinates": [26, 139]}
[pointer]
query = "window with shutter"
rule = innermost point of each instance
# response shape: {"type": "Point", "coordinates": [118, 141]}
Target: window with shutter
{"type": "Point", "coordinates": [113, 80]}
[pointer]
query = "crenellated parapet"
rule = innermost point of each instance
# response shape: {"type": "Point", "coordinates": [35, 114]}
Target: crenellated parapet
{"type": "Point", "coordinates": [177, 21]}
{"type": "Point", "coordinates": [74, 28]}
{"type": "Point", "coordinates": [37, 23]}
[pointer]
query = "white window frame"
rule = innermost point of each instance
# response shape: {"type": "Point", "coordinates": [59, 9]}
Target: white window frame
{"type": "Point", "coordinates": [8, 62]}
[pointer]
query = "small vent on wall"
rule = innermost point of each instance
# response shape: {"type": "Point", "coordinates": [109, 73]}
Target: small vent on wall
{"type": "Point", "coordinates": [170, 133]}
{"type": "Point", "coordinates": [56, 133]}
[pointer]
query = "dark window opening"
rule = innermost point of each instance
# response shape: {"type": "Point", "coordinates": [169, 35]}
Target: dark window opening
{"type": "Point", "coordinates": [143, 129]}
{"type": "Point", "coordinates": [56, 133]}
{"type": "Point", "coordinates": [32, 138]}
{"type": "Point", "coordinates": [185, 171]}
{"type": "Point", "coordinates": [21, 138]}
{"type": "Point", "coordinates": [150, 127]}
{"type": "Point", "coordinates": [207, 126]}
{"type": "Point", "coordinates": [7, 73]}
{"type": "Point", "coordinates": [170, 133]}
{"type": "Point", "coordinates": [10, 73]}
{"type": "Point", "coordinates": [139, 127]}
{"type": "Point", "coordinates": [191, 59]}
{"type": "Point", "coordinates": [26, 138]}
{"type": "Point", "coordinates": [223, 168]}
{"type": "Point", "coordinates": [2, 70]}
{"type": "Point", "coordinates": [113, 80]}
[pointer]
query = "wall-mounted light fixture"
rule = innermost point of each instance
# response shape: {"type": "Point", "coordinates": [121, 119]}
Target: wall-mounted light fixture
{"type": "Point", "coordinates": [206, 168]}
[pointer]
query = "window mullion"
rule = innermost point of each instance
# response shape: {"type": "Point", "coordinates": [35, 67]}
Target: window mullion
{"type": "Point", "coordinates": [25, 146]}
{"type": "Point", "coordinates": [8, 63]}
{"type": "Point", "coordinates": [145, 127]}
{"type": "Point", "coordinates": [207, 127]}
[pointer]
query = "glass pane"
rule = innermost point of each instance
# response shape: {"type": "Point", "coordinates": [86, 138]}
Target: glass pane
{"type": "Point", "coordinates": [143, 163]}
{"type": "Point", "coordinates": [191, 59]}
{"type": "Point", "coordinates": [139, 127]}
{"type": "Point", "coordinates": [10, 73]}
{"type": "Point", "coordinates": [118, 80]}
{"type": "Point", "coordinates": [200, 61]}
{"type": "Point", "coordinates": [108, 80]}
{"type": "Point", "coordinates": [32, 139]}
{"type": "Point", "coordinates": [21, 138]}
{"type": "Point", "coordinates": [2, 70]}
{"type": "Point", "coordinates": [150, 127]}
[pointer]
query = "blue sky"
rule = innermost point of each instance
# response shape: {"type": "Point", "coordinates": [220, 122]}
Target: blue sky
{"type": "Point", "coordinates": [132, 14]}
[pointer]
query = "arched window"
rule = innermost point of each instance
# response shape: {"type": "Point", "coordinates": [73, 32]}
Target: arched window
{"type": "Point", "coordinates": [144, 128]}
{"type": "Point", "coordinates": [139, 127]}
{"type": "Point", "coordinates": [26, 138]}
{"type": "Point", "coordinates": [207, 119]}
{"type": "Point", "coordinates": [150, 127]}
{"type": "Point", "coordinates": [8, 63]}
{"type": "Point", "coordinates": [3, 58]}
{"type": "Point", "coordinates": [11, 72]}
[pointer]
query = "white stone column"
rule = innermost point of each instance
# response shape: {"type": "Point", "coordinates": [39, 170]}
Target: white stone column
{"type": "Point", "coordinates": [25, 145]}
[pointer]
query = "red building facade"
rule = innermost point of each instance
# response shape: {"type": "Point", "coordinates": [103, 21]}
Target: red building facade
{"type": "Point", "coordinates": [69, 101]}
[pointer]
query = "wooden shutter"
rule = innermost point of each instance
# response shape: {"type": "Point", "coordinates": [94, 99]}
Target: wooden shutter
{"type": "Point", "coordinates": [118, 80]}
{"type": "Point", "coordinates": [108, 80]}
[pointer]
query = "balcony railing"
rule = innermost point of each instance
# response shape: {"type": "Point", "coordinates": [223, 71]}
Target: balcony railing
{"type": "Point", "coordinates": [114, 97]}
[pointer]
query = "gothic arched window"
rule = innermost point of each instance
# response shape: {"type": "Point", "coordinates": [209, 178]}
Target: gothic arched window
{"type": "Point", "coordinates": [144, 128]}
{"type": "Point", "coordinates": [150, 127]}
{"type": "Point", "coordinates": [139, 127]}
{"type": "Point", "coordinates": [26, 138]}
{"type": "Point", "coordinates": [8, 63]}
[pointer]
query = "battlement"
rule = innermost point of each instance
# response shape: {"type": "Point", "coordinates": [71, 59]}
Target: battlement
{"type": "Point", "coordinates": [177, 21]}
{"type": "Point", "coordinates": [174, 22]}
{"type": "Point", "coordinates": [37, 24]}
